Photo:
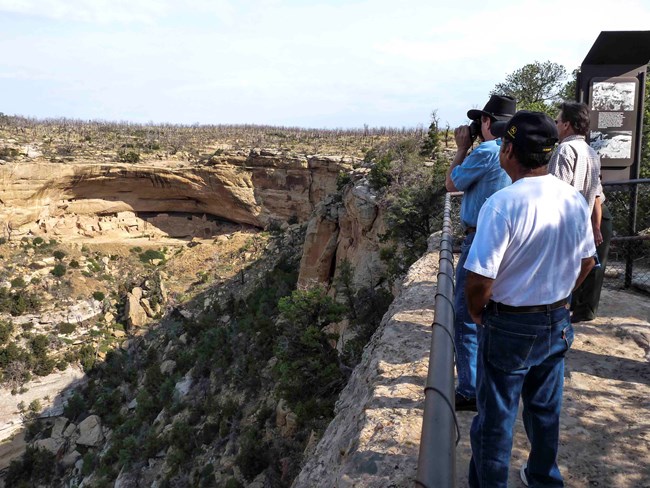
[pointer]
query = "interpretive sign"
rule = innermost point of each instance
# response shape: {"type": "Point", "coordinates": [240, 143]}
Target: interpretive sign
{"type": "Point", "coordinates": [613, 119]}
{"type": "Point", "coordinates": [611, 82]}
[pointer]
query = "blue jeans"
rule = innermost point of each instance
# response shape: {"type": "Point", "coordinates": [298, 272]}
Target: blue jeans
{"type": "Point", "coordinates": [519, 354]}
{"type": "Point", "coordinates": [465, 340]}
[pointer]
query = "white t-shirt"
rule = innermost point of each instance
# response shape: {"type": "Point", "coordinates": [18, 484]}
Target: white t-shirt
{"type": "Point", "coordinates": [531, 238]}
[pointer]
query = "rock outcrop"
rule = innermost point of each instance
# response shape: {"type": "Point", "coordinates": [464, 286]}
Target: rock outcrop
{"type": "Point", "coordinates": [253, 188]}
{"type": "Point", "coordinates": [344, 229]}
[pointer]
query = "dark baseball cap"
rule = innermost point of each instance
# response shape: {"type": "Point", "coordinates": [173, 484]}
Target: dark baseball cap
{"type": "Point", "coordinates": [534, 132]}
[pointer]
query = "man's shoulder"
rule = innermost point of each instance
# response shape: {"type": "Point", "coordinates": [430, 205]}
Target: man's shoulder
{"type": "Point", "coordinates": [488, 147]}
{"type": "Point", "coordinates": [577, 143]}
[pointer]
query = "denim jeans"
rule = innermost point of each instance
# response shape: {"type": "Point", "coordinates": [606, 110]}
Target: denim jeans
{"type": "Point", "coordinates": [519, 355]}
{"type": "Point", "coordinates": [465, 340]}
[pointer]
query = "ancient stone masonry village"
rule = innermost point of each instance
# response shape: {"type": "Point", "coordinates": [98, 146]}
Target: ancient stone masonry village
{"type": "Point", "coordinates": [250, 308]}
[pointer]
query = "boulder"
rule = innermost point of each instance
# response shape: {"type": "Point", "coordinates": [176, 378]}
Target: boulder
{"type": "Point", "coordinates": [126, 479]}
{"type": "Point", "coordinates": [70, 459]}
{"type": "Point", "coordinates": [49, 444]}
{"type": "Point", "coordinates": [59, 427]}
{"type": "Point", "coordinates": [90, 432]}
{"type": "Point", "coordinates": [134, 313]}
{"type": "Point", "coordinates": [137, 292]}
{"type": "Point", "coordinates": [182, 388]}
{"type": "Point", "coordinates": [167, 367]}
{"type": "Point", "coordinates": [70, 430]}
{"type": "Point", "coordinates": [147, 307]}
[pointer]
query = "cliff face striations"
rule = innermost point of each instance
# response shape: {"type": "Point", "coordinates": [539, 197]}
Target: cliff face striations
{"type": "Point", "coordinates": [346, 228]}
{"type": "Point", "coordinates": [254, 188]}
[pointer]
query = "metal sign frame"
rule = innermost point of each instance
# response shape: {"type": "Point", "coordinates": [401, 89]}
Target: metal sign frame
{"type": "Point", "coordinates": [612, 82]}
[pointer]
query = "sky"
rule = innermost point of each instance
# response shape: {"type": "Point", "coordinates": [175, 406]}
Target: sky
{"type": "Point", "coordinates": [308, 63]}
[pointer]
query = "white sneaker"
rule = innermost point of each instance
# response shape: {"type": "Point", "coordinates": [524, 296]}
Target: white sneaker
{"type": "Point", "coordinates": [522, 474]}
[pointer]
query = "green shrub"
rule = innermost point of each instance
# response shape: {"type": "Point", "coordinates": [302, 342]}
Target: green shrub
{"type": "Point", "coordinates": [35, 406]}
{"type": "Point", "coordinates": [379, 176]}
{"type": "Point", "coordinates": [74, 264]}
{"type": "Point", "coordinates": [6, 329]}
{"type": "Point", "coordinates": [128, 156]}
{"type": "Point", "coordinates": [342, 179]}
{"type": "Point", "coordinates": [75, 407]}
{"type": "Point", "coordinates": [8, 153]}
{"type": "Point", "coordinates": [93, 265]}
{"type": "Point", "coordinates": [150, 255]}
{"type": "Point", "coordinates": [89, 463]}
{"type": "Point", "coordinates": [58, 254]}
{"type": "Point", "coordinates": [39, 345]}
{"type": "Point", "coordinates": [44, 366]}
{"type": "Point", "coordinates": [35, 468]}
{"type": "Point", "coordinates": [98, 295]}
{"type": "Point", "coordinates": [66, 328]}
{"type": "Point", "coordinates": [308, 374]}
{"type": "Point", "coordinates": [12, 353]}
{"type": "Point", "coordinates": [253, 455]}
{"type": "Point", "coordinates": [87, 357]}
{"type": "Point", "coordinates": [18, 283]}
{"type": "Point", "coordinates": [58, 270]}
{"type": "Point", "coordinates": [128, 452]}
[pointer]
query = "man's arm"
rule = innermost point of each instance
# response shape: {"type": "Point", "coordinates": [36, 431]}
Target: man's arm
{"type": "Point", "coordinates": [596, 217]}
{"type": "Point", "coordinates": [463, 143]}
{"type": "Point", "coordinates": [478, 290]}
{"type": "Point", "coordinates": [585, 267]}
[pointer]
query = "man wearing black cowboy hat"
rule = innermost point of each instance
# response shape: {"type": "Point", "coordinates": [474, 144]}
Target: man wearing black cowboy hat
{"type": "Point", "coordinates": [479, 175]}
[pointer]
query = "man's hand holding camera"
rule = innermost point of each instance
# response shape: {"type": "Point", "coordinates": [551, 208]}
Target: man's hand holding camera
{"type": "Point", "coordinates": [463, 138]}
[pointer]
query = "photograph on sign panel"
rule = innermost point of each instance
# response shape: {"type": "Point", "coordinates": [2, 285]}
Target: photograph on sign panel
{"type": "Point", "coordinates": [613, 96]}
{"type": "Point", "coordinates": [612, 144]}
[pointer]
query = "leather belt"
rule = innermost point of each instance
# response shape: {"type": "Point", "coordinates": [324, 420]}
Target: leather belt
{"type": "Point", "coordinates": [502, 307]}
{"type": "Point", "coordinates": [469, 230]}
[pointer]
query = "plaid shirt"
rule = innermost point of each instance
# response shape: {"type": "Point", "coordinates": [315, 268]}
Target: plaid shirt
{"type": "Point", "coordinates": [575, 162]}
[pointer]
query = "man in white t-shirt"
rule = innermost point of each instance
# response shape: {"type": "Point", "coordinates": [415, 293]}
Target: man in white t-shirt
{"type": "Point", "coordinates": [533, 245]}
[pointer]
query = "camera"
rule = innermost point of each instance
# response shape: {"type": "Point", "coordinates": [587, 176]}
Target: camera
{"type": "Point", "coordinates": [475, 129]}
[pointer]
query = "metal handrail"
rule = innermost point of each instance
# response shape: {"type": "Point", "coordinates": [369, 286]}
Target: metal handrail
{"type": "Point", "coordinates": [632, 222]}
{"type": "Point", "coordinates": [440, 434]}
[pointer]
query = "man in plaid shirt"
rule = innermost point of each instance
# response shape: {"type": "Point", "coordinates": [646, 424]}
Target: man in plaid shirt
{"type": "Point", "coordinates": [576, 163]}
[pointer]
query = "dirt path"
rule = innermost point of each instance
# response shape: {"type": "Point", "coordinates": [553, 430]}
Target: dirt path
{"type": "Point", "coordinates": [605, 436]}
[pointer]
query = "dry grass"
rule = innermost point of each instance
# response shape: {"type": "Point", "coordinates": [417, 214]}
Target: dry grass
{"type": "Point", "coordinates": [65, 139]}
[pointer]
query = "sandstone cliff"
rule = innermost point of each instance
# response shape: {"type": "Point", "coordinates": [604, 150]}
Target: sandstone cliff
{"type": "Point", "coordinates": [344, 228]}
{"type": "Point", "coordinates": [254, 188]}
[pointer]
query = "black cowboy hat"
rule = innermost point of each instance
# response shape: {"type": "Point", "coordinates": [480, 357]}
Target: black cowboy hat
{"type": "Point", "coordinates": [500, 107]}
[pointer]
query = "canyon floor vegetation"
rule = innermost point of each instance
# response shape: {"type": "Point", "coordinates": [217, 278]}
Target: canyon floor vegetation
{"type": "Point", "coordinates": [234, 374]}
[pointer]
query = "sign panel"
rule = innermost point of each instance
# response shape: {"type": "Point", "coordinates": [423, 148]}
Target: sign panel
{"type": "Point", "coordinates": [614, 111]}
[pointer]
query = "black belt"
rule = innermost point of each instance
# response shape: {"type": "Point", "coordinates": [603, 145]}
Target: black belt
{"type": "Point", "coordinates": [502, 307]}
